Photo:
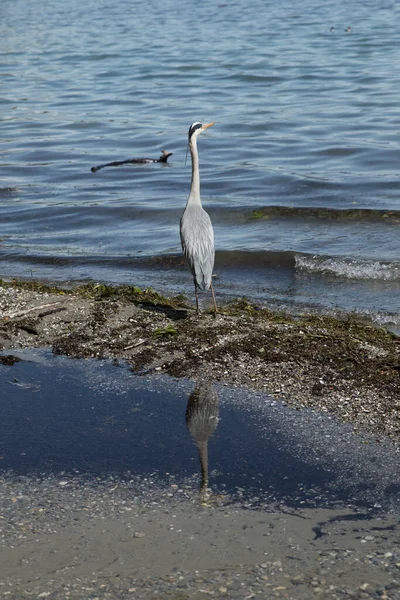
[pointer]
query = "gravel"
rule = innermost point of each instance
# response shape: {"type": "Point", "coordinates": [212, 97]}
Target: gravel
{"type": "Point", "coordinates": [108, 538]}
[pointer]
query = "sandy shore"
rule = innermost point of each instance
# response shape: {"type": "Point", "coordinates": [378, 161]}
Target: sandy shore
{"type": "Point", "coordinates": [343, 366]}
{"type": "Point", "coordinates": [90, 539]}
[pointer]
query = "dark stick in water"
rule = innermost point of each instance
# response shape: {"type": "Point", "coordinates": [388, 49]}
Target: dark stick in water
{"type": "Point", "coordinates": [116, 163]}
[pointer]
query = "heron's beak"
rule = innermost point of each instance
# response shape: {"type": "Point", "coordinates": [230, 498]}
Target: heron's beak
{"type": "Point", "coordinates": [207, 125]}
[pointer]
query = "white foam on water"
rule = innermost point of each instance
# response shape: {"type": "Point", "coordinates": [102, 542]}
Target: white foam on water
{"type": "Point", "coordinates": [348, 268]}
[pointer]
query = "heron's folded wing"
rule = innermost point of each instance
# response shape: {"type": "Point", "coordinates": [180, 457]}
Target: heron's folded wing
{"type": "Point", "coordinates": [197, 239]}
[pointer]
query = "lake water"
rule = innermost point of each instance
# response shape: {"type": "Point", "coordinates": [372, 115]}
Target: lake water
{"type": "Point", "coordinates": [300, 174]}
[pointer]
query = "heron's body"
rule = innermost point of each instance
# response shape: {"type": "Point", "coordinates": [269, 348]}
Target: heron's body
{"type": "Point", "coordinates": [197, 239]}
{"type": "Point", "coordinates": [197, 235]}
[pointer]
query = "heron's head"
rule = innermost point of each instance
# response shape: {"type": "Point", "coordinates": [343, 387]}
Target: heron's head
{"type": "Point", "coordinates": [196, 128]}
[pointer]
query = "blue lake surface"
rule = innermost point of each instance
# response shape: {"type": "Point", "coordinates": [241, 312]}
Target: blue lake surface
{"type": "Point", "coordinates": [300, 174]}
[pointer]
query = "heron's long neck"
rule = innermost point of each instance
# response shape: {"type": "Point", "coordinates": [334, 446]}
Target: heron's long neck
{"type": "Point", "coordinates": [194, 196]}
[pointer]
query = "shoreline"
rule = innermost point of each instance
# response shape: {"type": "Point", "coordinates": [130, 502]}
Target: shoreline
{"type": "Point", "coordinates": [337, 365]}
{"type": "Point", "coordinates": [103, 540]}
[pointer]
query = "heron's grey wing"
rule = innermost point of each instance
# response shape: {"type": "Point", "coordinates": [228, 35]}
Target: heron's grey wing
{"type": "Point", "coordinates": [197, 237]}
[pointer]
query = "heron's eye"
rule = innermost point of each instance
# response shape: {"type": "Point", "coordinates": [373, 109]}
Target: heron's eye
{"type": "Point", "coordinates": [193, 128]}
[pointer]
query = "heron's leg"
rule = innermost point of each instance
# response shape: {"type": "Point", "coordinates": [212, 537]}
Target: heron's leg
{"type": "Point", "coordinates": [215, 302]}
{"type": "Point", "coordinates": [197, 297]}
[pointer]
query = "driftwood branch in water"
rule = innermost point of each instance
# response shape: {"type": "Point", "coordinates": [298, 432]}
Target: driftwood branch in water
{"type": "Point", "coordinates": [117, 163]}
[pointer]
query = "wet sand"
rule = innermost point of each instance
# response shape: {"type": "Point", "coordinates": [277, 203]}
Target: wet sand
{"type": "Point", "coordinates": [66, 538]}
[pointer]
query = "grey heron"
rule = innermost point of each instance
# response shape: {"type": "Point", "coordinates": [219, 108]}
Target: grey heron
{"type": "Point", "coordinates": [197, 235]}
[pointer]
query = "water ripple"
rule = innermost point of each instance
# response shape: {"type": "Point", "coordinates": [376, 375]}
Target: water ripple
{"type": "Point", "coordinates": [303, 159]}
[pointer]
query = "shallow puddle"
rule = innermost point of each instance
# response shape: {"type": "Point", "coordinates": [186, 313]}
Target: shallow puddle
{"type": "Point", "coordinates": [88, 417]}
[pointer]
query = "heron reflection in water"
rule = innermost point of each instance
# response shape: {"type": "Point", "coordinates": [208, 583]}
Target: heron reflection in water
{"type": "Point", "coordinates": [202, 415]}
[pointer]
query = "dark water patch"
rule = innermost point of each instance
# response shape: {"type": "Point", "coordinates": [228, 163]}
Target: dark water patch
{"type": "Point", "coordinates": [261, 79]}
{"type": "Point", "coordinates": [63, 416]}
{"type": "Point", "coordinates": [223, 259]}
{"type": "Point", "coordinates": [8, 191]}
{"type": "Point", "coordinates": [166, 262]}
{"type": "Point", "coordinates": [340, 151]}
{"type": "Point", "coordinates": [257, 259]}
{"type": "Point", "coordinates": [326, 213]}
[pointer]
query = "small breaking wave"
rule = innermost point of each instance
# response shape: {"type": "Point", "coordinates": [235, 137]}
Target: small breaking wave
{"type": "Point", "coordinates": [348, 268]}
